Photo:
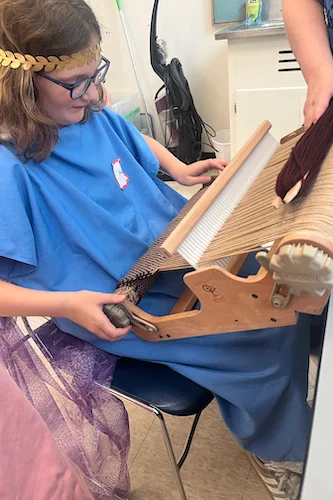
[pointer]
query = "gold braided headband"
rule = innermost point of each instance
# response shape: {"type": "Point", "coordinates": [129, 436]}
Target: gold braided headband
{"type": "Point", "coordinates": [48, 64]}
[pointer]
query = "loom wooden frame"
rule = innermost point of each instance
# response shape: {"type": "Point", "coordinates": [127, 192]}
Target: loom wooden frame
{"type": "Point", "coordinates": [229, 303]}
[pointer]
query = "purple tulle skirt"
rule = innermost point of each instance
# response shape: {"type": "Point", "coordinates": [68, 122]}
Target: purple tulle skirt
{"type": "Point", "coordinates": [65, 380]}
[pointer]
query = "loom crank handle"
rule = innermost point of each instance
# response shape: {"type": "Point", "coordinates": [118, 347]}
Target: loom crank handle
{"type": "Point", "coordinates": [281, 295]}
{"type": "Point", "coordinates": [121, 317]}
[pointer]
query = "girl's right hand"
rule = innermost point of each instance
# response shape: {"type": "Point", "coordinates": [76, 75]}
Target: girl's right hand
{"type": "Point", "coordinates": [85, 309]}
{"type": "Point", "coordinates": [320, 92]}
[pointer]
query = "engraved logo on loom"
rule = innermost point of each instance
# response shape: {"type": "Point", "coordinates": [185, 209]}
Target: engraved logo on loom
{"type": "Point", "coordinates": [217, 298]}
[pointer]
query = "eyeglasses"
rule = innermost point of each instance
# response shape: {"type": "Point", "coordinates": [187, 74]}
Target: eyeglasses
{"type": "Point", "coordinates": [79, 88]}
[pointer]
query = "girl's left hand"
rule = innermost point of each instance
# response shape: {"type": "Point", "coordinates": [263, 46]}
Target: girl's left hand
{"type": "Point", "coordinates": [189, 175]}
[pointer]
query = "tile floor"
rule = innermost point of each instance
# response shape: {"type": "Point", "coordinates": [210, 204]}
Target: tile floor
{"type": "Point", "coordinates": [216, 467]}
{"type": "Point", "coordinates": [186, 191]}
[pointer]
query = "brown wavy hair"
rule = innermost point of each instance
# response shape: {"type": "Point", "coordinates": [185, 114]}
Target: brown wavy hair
{"type": "Point", "coordinates": [38, 27]}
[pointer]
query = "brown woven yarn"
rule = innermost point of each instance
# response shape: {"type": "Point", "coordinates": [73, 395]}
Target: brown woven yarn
{"type": "Point", "coordinates": [307, 157]}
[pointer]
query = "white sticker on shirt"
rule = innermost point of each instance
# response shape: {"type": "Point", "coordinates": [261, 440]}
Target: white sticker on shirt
{"type": "Point", "coordinates": [120, 176]}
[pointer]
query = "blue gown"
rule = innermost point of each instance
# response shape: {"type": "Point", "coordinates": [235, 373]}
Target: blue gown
{"type": "Point", "coordinates": [82, 218]}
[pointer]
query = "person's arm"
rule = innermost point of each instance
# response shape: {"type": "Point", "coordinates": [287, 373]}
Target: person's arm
{"type": "Point", "coordinates": [188, 175]}
{"type": "Point", "coordinates": [308, 37]}
{"type": "Point", "coordinates": [83, 307]}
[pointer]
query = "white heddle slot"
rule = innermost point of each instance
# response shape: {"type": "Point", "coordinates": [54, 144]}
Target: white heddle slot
{"type": "Point", "coordinates": [203, 233]}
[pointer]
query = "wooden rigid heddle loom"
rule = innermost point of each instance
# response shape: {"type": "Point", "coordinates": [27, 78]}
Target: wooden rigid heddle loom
{"type": "Point", "coordinates": [214, 234]}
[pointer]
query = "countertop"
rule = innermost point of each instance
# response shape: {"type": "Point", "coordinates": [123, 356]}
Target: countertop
{"type": "Point", "coordinates": [242, 30]}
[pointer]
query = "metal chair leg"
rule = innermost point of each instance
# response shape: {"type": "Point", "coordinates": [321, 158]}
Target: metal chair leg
{"type": "Point", "coordinates": [167, 441]}
{"type": "Point", "coordinates": [172, 458]}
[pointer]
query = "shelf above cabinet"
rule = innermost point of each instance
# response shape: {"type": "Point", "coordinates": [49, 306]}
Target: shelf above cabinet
{"type": "Point", "coordinates": [242, 30]}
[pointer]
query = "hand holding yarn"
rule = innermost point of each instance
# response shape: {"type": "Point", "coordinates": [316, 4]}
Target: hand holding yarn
{"type": "Point", "coordinates": [306, 158]}
{"type": "Point", "coordinates": [320, 92]}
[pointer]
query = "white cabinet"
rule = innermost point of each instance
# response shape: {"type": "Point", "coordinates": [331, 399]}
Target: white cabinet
{"type": "Point", "coordinates": [265, 83]}
{"type": "Point", "coordinates": [282, 107]}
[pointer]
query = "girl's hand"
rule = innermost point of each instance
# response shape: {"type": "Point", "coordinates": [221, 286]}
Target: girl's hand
{"type": "Point", "coordinates": [189, 175]}
{"type": "Point", "coordinates": [320, 92]}
{"type": "Point", "coordinates": [85, 309]}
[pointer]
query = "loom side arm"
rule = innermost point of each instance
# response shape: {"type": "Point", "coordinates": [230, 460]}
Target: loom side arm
{"type": "Point", "coordinates": [228, 304]}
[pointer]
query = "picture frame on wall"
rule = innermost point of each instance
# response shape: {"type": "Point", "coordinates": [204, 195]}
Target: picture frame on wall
{"type": "Point", "coordinates": [228, 11]}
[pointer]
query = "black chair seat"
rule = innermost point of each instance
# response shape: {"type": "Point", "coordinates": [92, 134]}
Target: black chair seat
{"type": "Point", "coordinates": [160, 386]}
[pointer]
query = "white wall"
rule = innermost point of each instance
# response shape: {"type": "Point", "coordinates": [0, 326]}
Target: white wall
{"type": "Point", "coordinates": [186, 25]}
